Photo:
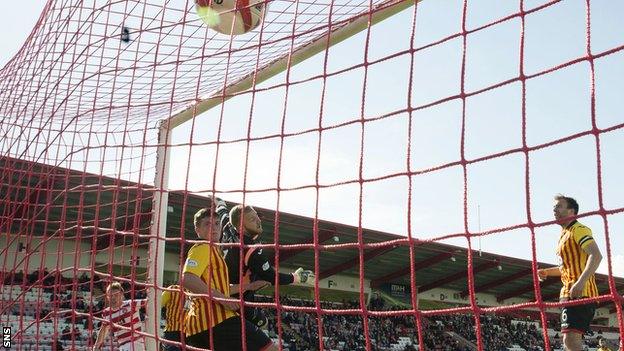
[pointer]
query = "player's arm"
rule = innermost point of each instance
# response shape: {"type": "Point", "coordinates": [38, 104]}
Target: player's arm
{"type": "Point", "coordinates": [253, 286]}
{"type": "Point", "coordinates": [229, 234]}
{"type": "Point", "coordinates": [583, 236]}
{"type": "Point", "coordinates": [260, 266]}
{"type": "Point", "coordinates": [197, 261]}
{"type": "Point", "coordinates": [544, 273]}
{"type": "Point", "coordinates": [221, 208]}
{"type": "Point", "coordinates": [593, 261]}
{"type": "Point", "coordinates": [194, 284]}
{"type": "Point", "coordinates": [101, 336]}
{"type": "Point", "coordinates": [138, 303]}
{"type": "Point", "coordinates": [165, 297]}
{"type": "Point", "coordinates": [223, 215]}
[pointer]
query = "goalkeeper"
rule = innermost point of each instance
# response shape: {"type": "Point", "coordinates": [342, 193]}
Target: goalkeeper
{"type": "Point", "coordinates": [256, 266]}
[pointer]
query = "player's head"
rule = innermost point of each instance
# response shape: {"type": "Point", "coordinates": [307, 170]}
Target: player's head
{"type": "Point", "coordinates": [601, 342]}
{"type": "Point", "coordinates": [566, 208]}
{"type": "Point", "coordinates": [207, 225]}
{"type": "Point", "coordinates": [115, 295]}
{"type": "Point", "coordinates": [251, 221]}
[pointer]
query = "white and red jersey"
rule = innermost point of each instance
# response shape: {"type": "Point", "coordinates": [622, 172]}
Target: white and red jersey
{"type": "Point", "coordinates": [125, 316]}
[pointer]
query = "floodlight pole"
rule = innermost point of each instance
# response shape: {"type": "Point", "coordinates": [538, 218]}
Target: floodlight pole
{"type": "Point", "coordinates": [156, 262]}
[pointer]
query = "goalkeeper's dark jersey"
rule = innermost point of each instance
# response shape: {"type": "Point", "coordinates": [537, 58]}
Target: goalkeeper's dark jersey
{"type": "Point", "coordinates": [256, 265]}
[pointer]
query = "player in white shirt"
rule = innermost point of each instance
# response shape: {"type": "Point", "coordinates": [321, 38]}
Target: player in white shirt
{"type": "Point", "coordinates": [121, 313]}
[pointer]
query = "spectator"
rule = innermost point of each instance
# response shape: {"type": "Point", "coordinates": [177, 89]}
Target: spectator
{"type": "Point", "coordinates": [603, 345]}
{"type": "Point", "coordinates": [66, 333]}
{"type": "Point", "coordinates": [57, 345]}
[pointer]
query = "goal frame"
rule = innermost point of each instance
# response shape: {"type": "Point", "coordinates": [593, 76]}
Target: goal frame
{"type": "Point", "coordinates": [378, 13]}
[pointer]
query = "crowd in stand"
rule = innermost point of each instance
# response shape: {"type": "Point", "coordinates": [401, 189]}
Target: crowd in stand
{"type": "Point", "coordinates": [300, 330]}
{"type": "Point", "coordinates": [61, 297]}
{"type": "Point", "coordinates": [55, 282]}
{"type": "Point", "coordinates": [346, 332]}
{"type": "Point", "coordinates": [497, 332]}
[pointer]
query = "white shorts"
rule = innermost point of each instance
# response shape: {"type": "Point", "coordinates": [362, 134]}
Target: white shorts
{"type": "Point", "coordinates": [136, 345]}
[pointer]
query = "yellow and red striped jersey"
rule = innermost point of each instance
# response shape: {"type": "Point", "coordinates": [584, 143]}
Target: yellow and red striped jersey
{"type": "Point", "coordinates": [573, 258]}
{"type": "Point", "coordinates": [206, 262]}
{"type": "Point", "coordinates": [173, 301]}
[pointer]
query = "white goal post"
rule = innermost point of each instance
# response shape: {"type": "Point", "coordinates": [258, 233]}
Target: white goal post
{"type": "Point", "coordinates": [377, 14]}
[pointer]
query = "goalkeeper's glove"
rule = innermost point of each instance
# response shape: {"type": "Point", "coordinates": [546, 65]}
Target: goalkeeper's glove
{"type": "Point", "coordinates": [304, 276]}
{"type": "Point", "coordinates": [220, 205]}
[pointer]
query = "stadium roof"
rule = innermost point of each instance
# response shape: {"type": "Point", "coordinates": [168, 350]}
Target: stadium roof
{"type": "Point", "coordinates": [45, 192]}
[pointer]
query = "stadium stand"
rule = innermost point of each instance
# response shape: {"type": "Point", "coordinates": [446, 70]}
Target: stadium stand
{"type": "Point", "coordinates": [442, 333]}
{"type": "Point", "coordinates": [70, 328]}
{"type": "Point", "coordinates": [67, 330]}
{"type": "Point", "coordinates": [50, 310]}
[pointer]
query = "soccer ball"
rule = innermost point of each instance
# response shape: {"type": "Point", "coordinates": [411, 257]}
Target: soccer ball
{"type": "Point", "coordinates": [231, 17]}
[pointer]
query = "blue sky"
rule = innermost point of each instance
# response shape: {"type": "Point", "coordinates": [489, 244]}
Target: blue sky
{"type": "Point", "coordinates": [557, 105]}
{"type": "Point", "coordinates": [16, 22]}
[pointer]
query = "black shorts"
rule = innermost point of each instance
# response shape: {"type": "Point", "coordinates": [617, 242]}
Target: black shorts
{"type": "Point", "coordinates": [577, 318]}
{"type": "Point", "coordinates": [227, 337]}
{"type": "Point", "coordinates": [256, 317]}
{"type": "Point", "coordinates": [173, 336]}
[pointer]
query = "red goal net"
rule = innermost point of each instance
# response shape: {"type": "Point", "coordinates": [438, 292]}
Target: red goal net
{"type": "Point", "coordinates": [407, 153]}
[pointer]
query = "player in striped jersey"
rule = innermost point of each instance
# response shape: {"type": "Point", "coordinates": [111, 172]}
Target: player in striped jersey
{"type": "Point", "coordinates": [206, 273]}
{"type": "Point", "coordinates": [579, 258]}
{"type": "Point", "coordinates": [121, 313]}
{"type": "Point", "coordinates": [173, 302]}
{"type": "Point", "coordinates": [603, 345]}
